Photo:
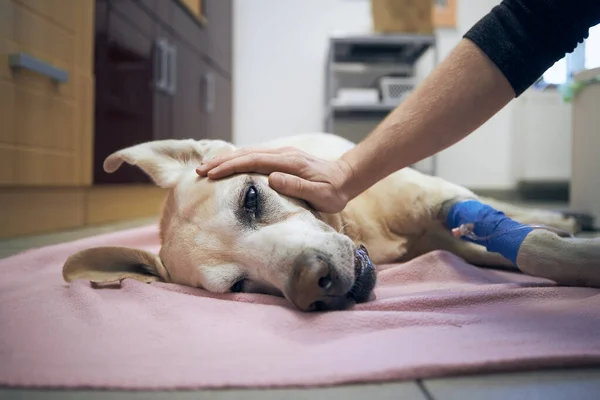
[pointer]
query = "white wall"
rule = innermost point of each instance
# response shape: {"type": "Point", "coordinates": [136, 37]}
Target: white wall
{"type": "Point", "coordinates": [279, 62]}
{"type": "Point", "coordinates": [483, 159]}
{"type": "Point", "coordinates": [542, 137]}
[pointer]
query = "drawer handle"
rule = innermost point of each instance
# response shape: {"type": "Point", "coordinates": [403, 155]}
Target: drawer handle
{"type": "Point", "coordinates": [172, 56]}
{"type": "Point", "coordinates": [161, 63]}
{"type": "Point", "coordinates": [26, 61]}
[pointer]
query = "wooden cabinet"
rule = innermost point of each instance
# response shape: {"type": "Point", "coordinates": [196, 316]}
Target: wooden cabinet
{"type": "Point", "coordinates": [135, 70]}
{"type": "Point", "coordinates": [46, 122]}
{"type": "Point", "coordinates": [80, 79]}
{"type": "Point", "coordinates": [161, 74]}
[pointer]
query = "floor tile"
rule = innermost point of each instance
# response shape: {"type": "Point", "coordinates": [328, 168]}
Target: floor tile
{"type": "Point", "coordinates": [580, 384]}
{"type": "Point", "coordinates": [393, 391]}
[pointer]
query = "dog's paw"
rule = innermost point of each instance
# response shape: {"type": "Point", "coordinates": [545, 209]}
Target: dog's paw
{"type": "Point", "coordinates": [584, 221]}
{"type": "Point", "coordinates": [566, 223]}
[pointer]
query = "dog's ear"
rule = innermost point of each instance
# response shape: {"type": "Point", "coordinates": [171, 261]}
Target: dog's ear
{"type": "Point", "coordinates": [165, 160]}
{"type": "Point", "coordinates": [113, 264]}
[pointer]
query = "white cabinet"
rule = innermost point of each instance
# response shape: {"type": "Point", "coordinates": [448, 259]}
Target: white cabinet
{"type": "Point", "coordinates": [542, 137]}
{"type": "Point", "coordinates": [585, 182]}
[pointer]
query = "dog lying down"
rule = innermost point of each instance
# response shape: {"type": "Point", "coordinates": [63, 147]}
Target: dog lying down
{"type": "Point", "coordinates": [238, 235]}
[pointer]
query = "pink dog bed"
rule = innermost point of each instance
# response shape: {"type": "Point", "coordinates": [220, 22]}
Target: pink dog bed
{"type": "Point", "coordinates": [435, 316]}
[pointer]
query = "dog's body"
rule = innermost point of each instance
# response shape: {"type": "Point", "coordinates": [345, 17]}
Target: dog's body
{"type": "Point", "coordinates": [399, 217]}
{"type": "Point", "coordinates": [237, 234]}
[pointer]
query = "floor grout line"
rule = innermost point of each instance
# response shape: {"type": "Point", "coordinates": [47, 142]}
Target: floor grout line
{"type": "Point", "coordinates": [424, 390]}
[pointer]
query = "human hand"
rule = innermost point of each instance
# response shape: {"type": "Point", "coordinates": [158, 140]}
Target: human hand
{"type": "Point", "coordinates": [292, 172]}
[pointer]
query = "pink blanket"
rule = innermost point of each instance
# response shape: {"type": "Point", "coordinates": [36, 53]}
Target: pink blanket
{"type": "Point", "coordinates": [435, 316]}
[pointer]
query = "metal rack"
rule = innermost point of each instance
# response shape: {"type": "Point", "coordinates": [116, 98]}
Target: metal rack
{"type": "Point", "coordinates": [359, 62]}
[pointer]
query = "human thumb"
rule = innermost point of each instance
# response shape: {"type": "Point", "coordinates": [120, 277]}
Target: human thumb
{"type": "Point", "coordinates": [291, 185]}
{"type": "Point", "coordinates": [317, 194]}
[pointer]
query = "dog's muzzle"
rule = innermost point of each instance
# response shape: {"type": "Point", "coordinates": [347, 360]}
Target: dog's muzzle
{"type": "Point", "coordinates": [317, 285]}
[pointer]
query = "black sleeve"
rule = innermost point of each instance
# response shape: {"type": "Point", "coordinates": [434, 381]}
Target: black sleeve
{"type": "Point", "coordinates": [526, 37]}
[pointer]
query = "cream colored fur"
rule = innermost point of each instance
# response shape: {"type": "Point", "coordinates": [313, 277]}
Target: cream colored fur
{"type": "Point", "coordinates": [205, 245]}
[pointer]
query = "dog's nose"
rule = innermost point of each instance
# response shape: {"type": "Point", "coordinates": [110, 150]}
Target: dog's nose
{"type": "Point", "coordinates": [314, 285]}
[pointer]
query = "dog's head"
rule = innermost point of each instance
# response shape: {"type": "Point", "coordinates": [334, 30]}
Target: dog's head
{"type": "Point", "coordinates": [231, 235]}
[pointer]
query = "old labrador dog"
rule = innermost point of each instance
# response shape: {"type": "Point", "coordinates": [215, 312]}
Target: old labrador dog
{"type": "Point", "coordinates": [238, 235]}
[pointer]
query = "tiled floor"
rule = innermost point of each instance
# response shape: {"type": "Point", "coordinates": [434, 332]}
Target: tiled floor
{"type": "Point", "coordinates": [550, 385]}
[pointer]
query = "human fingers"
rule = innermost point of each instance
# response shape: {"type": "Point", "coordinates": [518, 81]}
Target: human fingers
{"type": "Point", "coordinates": [262, 163]}
{"type": "Point", "coordinates": [208, 165]}
{"type": "Point", "coordinates": [321, 196]}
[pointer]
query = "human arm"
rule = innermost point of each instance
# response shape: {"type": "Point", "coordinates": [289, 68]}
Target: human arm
{"type": "Point", "coordinates": [447, 106]}
{"type": "Point", "coordinates": [499, 58]}
{"type": "Point", "coordinates": [463, 92]}
{"type": "Point", "coordinates": [502, 55]}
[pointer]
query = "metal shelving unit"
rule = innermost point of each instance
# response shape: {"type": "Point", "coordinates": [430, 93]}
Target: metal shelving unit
{"type": "Point", "coordinates": [358, 62]}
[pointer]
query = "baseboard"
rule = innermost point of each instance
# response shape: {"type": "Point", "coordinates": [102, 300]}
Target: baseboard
{"type": "Point", "coordinates": [32, 211]}
{"type": "Point", "coordinates": [557, 191]}
{"type": "Point", "coordinates": [554, 194]}
{"type": "Point", "coordinates": [110, 203]}
{"type": "Point", "coordinates": [544, 191]}
{"type": "Point", "coordinates": [498, 194]}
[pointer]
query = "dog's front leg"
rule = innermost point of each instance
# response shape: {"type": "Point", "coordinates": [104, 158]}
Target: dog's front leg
{"type": "Point", "coordinates": [537, 252]}
{"type": "Point", "coordinates": [567, 261]}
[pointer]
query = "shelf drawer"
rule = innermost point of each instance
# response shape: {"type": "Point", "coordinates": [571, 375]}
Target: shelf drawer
{"type": "Point", "coordinates": [34, 29]}
{"type": "Point", "coordinates": [46, 86]}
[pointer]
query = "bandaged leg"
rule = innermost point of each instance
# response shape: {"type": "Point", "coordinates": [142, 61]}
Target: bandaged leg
{"type": "Point", "coordinates": [491, 228]}
{"type": "Point", "coordinates": [537, 252]}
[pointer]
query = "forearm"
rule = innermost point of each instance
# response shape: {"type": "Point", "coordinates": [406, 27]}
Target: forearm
{"type": "Point", "coordinates": [463, 92]}
{"type": "Point", "coordinates": [501, 56]}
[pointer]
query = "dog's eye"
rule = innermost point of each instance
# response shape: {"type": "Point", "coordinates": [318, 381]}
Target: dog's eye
{"type": "Point", "coordinates": [238, 286]}
{"type": "Point", "coordinates": [251, 200]}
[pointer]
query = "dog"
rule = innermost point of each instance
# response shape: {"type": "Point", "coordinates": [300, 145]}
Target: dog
{"type": "Point", "coordinates": [239, 235]}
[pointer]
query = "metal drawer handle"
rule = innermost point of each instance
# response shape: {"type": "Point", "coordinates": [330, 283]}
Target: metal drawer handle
{"type": "Point", "coordinates": [26, 61]}
{"type": "Point", "coordinates": [161, 62]}
{"type": "Point", "coordinates": [172, 76]}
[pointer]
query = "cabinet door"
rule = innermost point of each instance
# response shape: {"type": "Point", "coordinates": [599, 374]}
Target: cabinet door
{"type": "Point", "coordinates": [218, 105]}
{"type": "Point", "coordinates": [189, 119]}
{"type": "Point", "coordinates": [124, 67]}
{"type": "Point", "coordinates": [45, 115]}
{"type": "Point", "coordinates": [163, 100]}
{"type": "Point", "coordinates": [187, 26]}
{"type": "Point", "coordinates": [219, 14]}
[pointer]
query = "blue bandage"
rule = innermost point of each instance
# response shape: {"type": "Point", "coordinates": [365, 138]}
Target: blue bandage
{"type": "Point", "coordinates": [506, 235]}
